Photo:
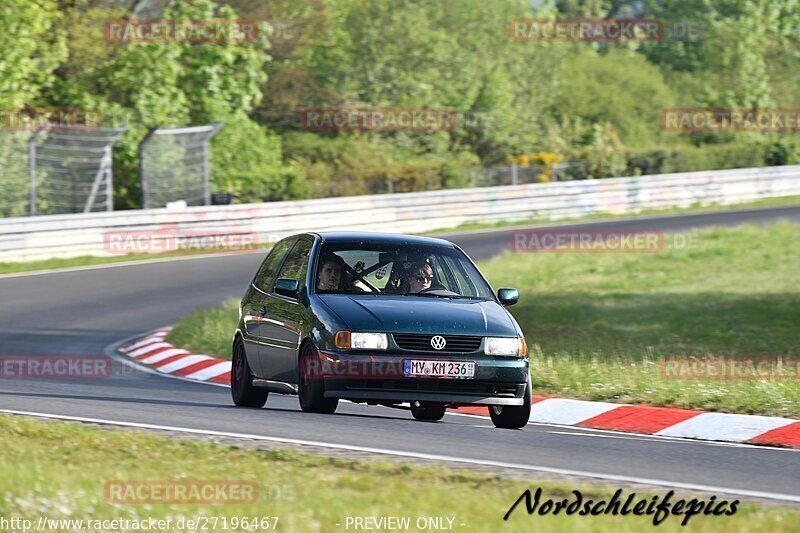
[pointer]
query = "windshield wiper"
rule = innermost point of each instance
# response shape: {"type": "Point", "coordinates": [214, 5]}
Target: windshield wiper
{"type": "Point", "coordinates": [434, 295]}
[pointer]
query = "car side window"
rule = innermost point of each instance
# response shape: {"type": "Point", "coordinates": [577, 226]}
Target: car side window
{"type": "Point", "coordinates": [269, 268]}
{"type": "Point", "coordinates": [296, 264]}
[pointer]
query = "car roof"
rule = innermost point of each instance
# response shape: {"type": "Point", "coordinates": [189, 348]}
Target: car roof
{"type": "Point", "coordinates": [369, 236]}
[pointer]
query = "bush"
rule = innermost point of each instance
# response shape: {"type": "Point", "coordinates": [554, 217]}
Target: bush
{"type": "Point", "coordinates": [705, 157]}
{"type": "Point", "coordinates": [717, 156]}
{"type": "Point", "coordinates": [618, 87]}
{"type": "Point", "coordinates": [345, 165]}
{"type": "Point", "coordinates": [782, 152]}
{"type": "Point", "coordinates": [246, 161]}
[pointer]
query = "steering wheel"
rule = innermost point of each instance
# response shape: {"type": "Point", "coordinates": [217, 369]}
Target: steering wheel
{"type": "Point", "coordinates": [439, 291]}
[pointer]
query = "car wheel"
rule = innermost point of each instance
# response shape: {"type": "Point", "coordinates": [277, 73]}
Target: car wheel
{"type": "Point", "coordinates": [512, 416]}
{"type": "Point", "coordinates": [428, 411]}
{"type": "Point", "coordinates": [242, 390]}
{"type": "Point", "coordinates": [311, 388]}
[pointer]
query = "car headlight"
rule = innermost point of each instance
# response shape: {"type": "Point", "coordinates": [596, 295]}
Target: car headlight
{"type": "Point", "coordinates": [361, 341]}
{"type": "Point", "coordinates": [505, 346]}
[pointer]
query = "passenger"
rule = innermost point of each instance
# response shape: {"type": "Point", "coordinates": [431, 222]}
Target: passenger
{"type": "Point", "coordinates": [329, 275]}
{"type": "Point", "coordinates": [419, 278]}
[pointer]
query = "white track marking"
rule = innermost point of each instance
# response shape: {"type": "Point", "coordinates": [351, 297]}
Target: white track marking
{"type": "Point", "coordinates": [623, 436]}
{"type": "Point", "coordinates": [183, 362]}
{"type": "Point", "coordinates": [564, 411]}
{"type": "Point", "coordinates": [166, 354]}
{"type": "Point", "coordinates": [593, 222]}
{"type": "Point", "coordinates": [127, 263]}
{"type": "Point", "coordinates": [211, 372]}
{"type": "Point", "coordinates": [434, 457]}
{"type": "Point", "coordinates": [727, 427]}
{"type": "Point", "coordinates": [142, 343]}
{"type": "Point", "coordinates": [148, 348]}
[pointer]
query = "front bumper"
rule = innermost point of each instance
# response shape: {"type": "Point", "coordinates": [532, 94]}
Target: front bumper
{"type": "Point", "coordinates": [379, 378]}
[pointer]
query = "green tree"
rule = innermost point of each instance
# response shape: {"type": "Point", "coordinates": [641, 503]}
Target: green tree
{"type": "Point", "coordinates": [618, 87]}
{"type": "Point", "coordinates": [30, 51]}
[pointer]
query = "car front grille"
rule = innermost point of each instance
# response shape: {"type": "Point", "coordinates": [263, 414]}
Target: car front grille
{"type": "Point", "coordinates": [422, 343]}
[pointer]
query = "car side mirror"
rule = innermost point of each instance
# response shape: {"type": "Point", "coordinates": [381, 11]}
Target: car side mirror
{"type": "Point", "coordinates": [508, 296]}
{"type": "Point", "coordinates": [287, 287]}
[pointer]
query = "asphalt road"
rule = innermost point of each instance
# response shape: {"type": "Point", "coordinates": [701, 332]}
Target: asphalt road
{"type": "Point", "coordinates": [83, 312]}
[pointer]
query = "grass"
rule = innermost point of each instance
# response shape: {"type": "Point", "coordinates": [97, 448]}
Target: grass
{"type": "Point", "coordinates": [781, 201]}
{"type": "Point", "coordinates": [209, 331]}
{"type": "Point", "coordinates": [57, 263]}
{"type": "Point", "coordinates": [58, 470]}
{"type": "Point", "coordinates": [599, 324]}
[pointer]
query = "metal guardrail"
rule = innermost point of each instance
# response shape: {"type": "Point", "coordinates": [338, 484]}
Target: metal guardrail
{"type": "Point", "coordinates": [28, 238]}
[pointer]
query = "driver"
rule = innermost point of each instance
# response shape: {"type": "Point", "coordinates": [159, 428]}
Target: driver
{"type": "Point", "coordinates": [330, 273]}
{"type": "Point", "coordinates": [419, 278]}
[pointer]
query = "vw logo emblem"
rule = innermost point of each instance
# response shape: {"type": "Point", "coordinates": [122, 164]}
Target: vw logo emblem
{"type": "Point", "coordinates": [438, 342]}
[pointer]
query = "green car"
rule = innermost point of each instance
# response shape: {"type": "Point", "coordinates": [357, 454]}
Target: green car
{"type": "Point", "coordinates": [382, 319]}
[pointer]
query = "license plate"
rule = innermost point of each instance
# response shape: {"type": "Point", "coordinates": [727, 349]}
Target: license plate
{"type": "Point", "coordinates": [438, 369]}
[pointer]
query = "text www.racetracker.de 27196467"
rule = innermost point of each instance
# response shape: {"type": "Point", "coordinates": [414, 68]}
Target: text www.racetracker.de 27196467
{"type": "Point", "coordinates": [198, 523]}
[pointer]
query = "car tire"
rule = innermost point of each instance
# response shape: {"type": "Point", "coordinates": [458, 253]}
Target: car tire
{"type": "Point", "coordinates": [428, 411]}
{"type": "Point", "coordinates": [513, 416]}
{"type": "Point", "coordinates": [311, 389]}
{"type": "Point", "coordinates": [242, 390]}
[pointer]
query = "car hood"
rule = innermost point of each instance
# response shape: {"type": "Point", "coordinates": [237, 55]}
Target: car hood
{"type": "Point", "coordinates": [421, 314]}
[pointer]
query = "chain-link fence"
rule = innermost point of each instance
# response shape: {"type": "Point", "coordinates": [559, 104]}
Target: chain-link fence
{"type": "Point", "coordinates": [57, 170]}
{"type": "Point", "coordinates": [14, 175]}
{"type": "Point", "coordinates": [71, 170]}
{"type": "Point", "coordinates": [174, 165]}
{"type": "Point", "coordinates": [516, 174]}
{"type": "Point", "coordinates": [506, 175]}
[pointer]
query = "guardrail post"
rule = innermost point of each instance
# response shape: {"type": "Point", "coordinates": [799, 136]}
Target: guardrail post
{"type": "Point", "coordinates": [142, 180]}
{"type": "Point", "coordinates": [514, 174]}
{"type": "Point", "coordinates": [109, 179]}
{"type": "Point", "coordinates": [32, 171]}
{"type": "Point", "coordinates": [206, 164]}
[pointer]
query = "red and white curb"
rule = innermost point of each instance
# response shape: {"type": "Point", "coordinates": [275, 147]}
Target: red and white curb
{"type": "Point", "coordinates": [663, 421]}
{"type": "Point", "coordinates": [153, 352]}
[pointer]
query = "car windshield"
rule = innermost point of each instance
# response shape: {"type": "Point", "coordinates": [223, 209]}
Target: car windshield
{"type": "Point", "coordinates": [398, 269]}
